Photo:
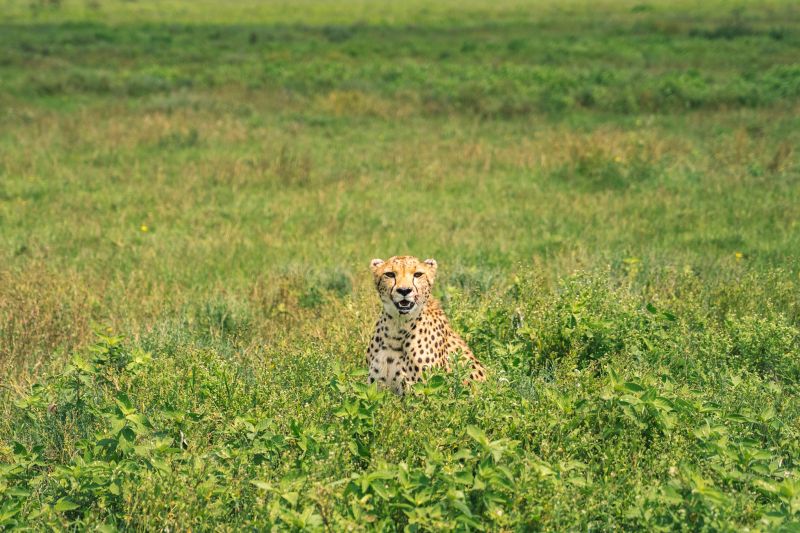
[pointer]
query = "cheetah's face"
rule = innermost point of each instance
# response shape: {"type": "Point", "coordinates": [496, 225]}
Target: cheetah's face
{"type": "Point", "coordinates": [404, 283]}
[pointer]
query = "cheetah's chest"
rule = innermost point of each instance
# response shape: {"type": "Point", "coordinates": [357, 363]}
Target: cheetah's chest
{"type": "Point", "coordinates": [401, 351]}
{"type": "Point", "coordinates": [422, 348]}
{"type": "Point", "coordinates": [407, 354]}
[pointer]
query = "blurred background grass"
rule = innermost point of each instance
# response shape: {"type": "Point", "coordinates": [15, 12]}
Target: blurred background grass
{"type": "Point", "coordinates": [154, 155]}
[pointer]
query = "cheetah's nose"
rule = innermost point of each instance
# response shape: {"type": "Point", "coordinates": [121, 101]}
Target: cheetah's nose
{"type": "Point", "coordinates": [404, 291]}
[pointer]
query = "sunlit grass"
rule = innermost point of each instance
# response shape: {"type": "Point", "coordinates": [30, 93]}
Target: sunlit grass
{"type": "Point", "coordinates": [612, 192]}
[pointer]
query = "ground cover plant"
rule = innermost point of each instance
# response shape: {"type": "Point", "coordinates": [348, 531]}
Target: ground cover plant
{"type": "Point", "coordinates": [190, 196]}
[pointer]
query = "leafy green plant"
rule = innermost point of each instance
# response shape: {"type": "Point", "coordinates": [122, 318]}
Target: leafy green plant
{"type": "Point", "coordinates": [357, 411]}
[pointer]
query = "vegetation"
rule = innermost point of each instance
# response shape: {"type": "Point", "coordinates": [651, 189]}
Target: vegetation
{"type": "Point", "coordinates": [190, 196]}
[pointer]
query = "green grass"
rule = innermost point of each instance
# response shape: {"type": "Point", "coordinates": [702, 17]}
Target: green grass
{"type": "Point", "coordinates": [190, 196]}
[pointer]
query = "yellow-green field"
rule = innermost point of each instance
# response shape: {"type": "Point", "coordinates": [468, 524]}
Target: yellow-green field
{"type": "Point", "coordinates": [191, 193]}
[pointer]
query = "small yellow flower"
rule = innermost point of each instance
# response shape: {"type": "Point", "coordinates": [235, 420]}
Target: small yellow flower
{"type": "Point", "coordinates": [144, 228]}
{"type": "Point", "coordinates": [739, 255]}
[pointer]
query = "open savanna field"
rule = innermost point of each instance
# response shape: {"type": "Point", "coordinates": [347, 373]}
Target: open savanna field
{"type": "Point", "coordinates": [191, 194]}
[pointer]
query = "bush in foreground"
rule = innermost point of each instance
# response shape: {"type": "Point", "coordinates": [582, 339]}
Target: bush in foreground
{"type": "Point", "coordinates": [603, 411]}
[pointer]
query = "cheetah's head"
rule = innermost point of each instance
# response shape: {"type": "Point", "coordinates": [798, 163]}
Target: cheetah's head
{"type": "Point", "coordinates": [404, 283]}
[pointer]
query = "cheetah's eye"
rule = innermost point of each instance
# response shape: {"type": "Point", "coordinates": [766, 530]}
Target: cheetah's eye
{"type": "Point", "coordinates": [389, 274]}
{"type": "Point", "coordinates": [417, 274]}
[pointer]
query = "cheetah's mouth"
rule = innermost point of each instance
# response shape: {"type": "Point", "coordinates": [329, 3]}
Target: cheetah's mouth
{"type": "Point", "coordinates": [404, 306]}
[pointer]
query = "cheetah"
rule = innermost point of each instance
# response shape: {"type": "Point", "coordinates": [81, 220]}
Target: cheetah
{"type": "Point", "coordinates": [412, 333]}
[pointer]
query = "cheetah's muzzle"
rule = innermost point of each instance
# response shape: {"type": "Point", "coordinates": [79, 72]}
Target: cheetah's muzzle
{"type": "Point", "coordinates": [404, 306]}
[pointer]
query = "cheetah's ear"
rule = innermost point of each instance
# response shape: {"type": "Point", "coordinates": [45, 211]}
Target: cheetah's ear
{"type": "Point", "coordinates": [375, 264]}
{"type": "Point", "coordinates": [432, 263]}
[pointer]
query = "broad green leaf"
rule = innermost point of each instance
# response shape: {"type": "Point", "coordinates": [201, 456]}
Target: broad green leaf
{"type": "Point", "coordinates": [478, 435]}
{"type": "Point", "coordinates": [263, 485]}
{"type": "Point", "coordinates": [291, 497]}
{"type": "Point", "coordinates": [65, 504]}
{"type": "Point", "coordinates": [631, 386]}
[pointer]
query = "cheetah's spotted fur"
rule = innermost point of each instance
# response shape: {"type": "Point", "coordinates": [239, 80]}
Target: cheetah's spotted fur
{"type": "Point", "coordinates": [412, 333]}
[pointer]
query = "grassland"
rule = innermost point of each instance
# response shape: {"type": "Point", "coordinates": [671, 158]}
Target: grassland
{"type": "Point", "coordinates": [190, 196]}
